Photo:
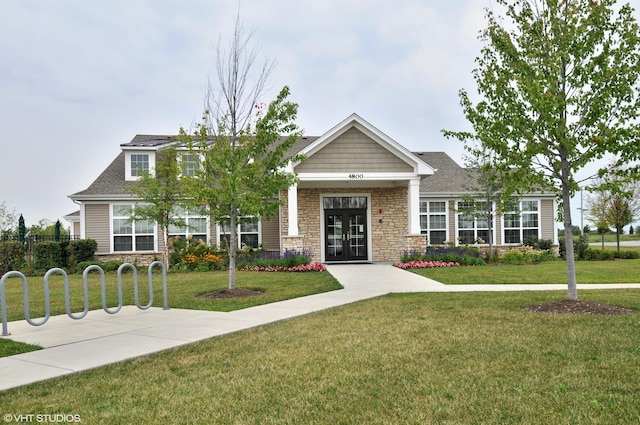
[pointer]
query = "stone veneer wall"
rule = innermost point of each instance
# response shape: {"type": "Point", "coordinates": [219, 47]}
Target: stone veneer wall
{"type": "Point", "coordinates": [137, 259]}
{"type": "Point", "coordinates": [389, 228]}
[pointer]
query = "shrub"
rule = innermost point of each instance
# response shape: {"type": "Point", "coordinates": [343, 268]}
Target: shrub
{"type": "Point", "coordinates": [11, 256]}
{"type": "Point", "coordinates": [421, 264]}
{"type": "Point", "coordinates": [580, 245]}
{"type": "Point", "coordinates": [82, 265]}
{"type": "Point", "coordinates": [83, 249]}
{"type": "Point", "coordinates": [47, 255]}
{"type": "Point", "coordinates": [267, 259]}
{"type": "Point", "coordinates": [526, 255]}
{"type": "Point", "coordinates": [541, 244]}
{"type": "Point", "coordinates": [465, 255]}
{"type": "Point", "coordinates": [194, 254]}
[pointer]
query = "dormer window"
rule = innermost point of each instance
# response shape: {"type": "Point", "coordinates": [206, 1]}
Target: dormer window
{"type": "Point", "coordinates": [190, 164]}
{"type": "Point", "coordinates": [139, 164]}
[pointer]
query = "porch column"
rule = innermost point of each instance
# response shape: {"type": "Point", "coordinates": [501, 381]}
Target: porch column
{"type": "Point", "coordinates": [292, 204]}
{"type": "Point", "coordinates": [414, 206]}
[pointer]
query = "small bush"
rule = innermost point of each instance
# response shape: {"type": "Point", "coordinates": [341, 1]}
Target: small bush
{"type": "Point", "coordinates": [526, 255]}
{"type": "Point", "coordinates": [82, 265]}
{"type": "Point", "coordinates": [11, 256]}
{"type": "Point", "coordinates": [83, 249]}
{"type": "Point", "coordinates": [194, 254]}
{"type": "Point", "coordinates": [47, 255]}
{"type": "Point", "coordinates": [464, 255]}
{"type": "Point", "coordinates": [266, 259]}
{"type": "Point", "coordinates": [111, 265]}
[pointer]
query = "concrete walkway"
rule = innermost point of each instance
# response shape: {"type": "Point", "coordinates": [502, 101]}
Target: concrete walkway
{"type": "Point", "coordinates": [75, 345]}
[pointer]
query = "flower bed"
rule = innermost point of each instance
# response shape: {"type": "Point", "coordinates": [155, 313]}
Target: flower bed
{"type": "Point", "coordinates": [422, 264]}
{"type": "Point", "coordinates": [311, 267]}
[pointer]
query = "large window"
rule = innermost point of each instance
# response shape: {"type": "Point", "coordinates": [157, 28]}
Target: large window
{"type": "Point", "coordinates": [195, 226]}
{"type": "Point", "coordinates": [522, 222]}
{"type": "Point", "coordinates": [138, 235]}
{"type": "Point", "coordinates": [248, 233]}
{"type": "Point", "coordinates": [139, 164]}
{"type": "Point", "coordinates": [473, 223]}
{"type": "Point", "coordinates": [433, 221]}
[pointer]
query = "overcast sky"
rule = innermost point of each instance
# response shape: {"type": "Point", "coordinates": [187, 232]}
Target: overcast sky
{"type": "Point", "coordinates": [78, 78]}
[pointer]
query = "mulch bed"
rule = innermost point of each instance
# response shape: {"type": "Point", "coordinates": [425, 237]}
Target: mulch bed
{"type": "Point", "coordinates": [578, 307]}
{"type": "Point", "coordinates": [231, 293]}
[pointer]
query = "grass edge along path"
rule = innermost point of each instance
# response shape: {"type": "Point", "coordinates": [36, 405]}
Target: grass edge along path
{"type": "Point", "coordinates": [547, 272]}
{"type": "Point", "coordinates": [405, 358]}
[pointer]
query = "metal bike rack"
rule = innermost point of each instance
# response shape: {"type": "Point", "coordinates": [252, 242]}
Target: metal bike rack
{"type": "Point", "coordinates": [85, 290]}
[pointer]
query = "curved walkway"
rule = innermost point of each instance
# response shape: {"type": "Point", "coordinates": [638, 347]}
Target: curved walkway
{"type": "Point", "coordinates": [75, 345]}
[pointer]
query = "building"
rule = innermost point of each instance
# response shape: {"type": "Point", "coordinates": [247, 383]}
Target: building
{"type": "Point", "coordinates": [361, 196]}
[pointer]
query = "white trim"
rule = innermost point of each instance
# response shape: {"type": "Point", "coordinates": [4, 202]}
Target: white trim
{"type": "Point", "coordinates": [127, 163]}
{"type": "Point", "coordinates": [133, 233]}
{"type": "Point", "coordinates": [413, 195]}
{"type": "Point", "coordinates": [358, 177]}
{"type": "Point", "coordinates": [292, 206]}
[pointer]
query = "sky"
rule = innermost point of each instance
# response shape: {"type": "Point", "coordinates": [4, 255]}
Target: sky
{"type": "Point", "coordinates": [78, 78]}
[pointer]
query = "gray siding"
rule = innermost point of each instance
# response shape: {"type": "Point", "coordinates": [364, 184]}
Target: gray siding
{"type": "Point", "coordinates": [353, 152]}
{"type": "Point", "coordinates": [97, 225]}
{"type": "Point", "coordinates": [547, 219]}
{"type": "Point", "coordinates": [271, 234]}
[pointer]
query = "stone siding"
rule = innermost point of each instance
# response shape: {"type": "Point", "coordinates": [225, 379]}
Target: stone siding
{"type": "Point", "coordinates": [388, 215]}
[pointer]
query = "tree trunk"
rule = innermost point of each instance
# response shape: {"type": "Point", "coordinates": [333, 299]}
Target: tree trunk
{"type": "Point", "coordinates": [165, 237]}
{"type": "Point", "coordinates": [568, 237]}
{"type": "Point", "coordinates": [618, 229]}
{"type": "Point", "coordinates": [233, 237]}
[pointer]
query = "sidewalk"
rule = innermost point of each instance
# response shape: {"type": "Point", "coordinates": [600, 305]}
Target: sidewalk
{"type": "Point", "coordinates": [75, 345]}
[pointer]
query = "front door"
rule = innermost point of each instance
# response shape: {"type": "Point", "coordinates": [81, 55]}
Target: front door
{"type": "Point", "coordinates": [346, 234]}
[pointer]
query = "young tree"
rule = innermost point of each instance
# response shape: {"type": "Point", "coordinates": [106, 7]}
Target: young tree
{"type": "Point", "coordinates": [159, 195]}
{"type": "Point", "coordinates": [8, 220]}
{"type": "Point", "coordinates": [619, 215]}
{"type": "Point", "coordinates": [559, 89]}
{"type": "Point", "coordinates": [243, 147]}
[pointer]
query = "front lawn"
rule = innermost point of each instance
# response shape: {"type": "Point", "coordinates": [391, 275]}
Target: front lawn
{"type": "Point", "coordinates": [615, 271]}
{"type": "Point", "coordinates": [183, 290]}
{"type": "Point", "coordinates": [437, 358]}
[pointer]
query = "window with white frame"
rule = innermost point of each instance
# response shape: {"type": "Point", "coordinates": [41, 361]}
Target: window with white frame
{"type": "Point", "coordinates": [190, 164]}
{"type": "Point", "coordinates": [522, 222]}
{"type": "Point", "coordinates": [139, 164]}
{"type": "Point", "coordinates": [433, 221]}
{"type": "Point", "coordinates": [473, 222]}
{"type": "Point", "coordinates": [248, 233]}
{"type": "Point", "coordinates": [128, 235]}
{"type": "Point", "coordinates": [195, 226]}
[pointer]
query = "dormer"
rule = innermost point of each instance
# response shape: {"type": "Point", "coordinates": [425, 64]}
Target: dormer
{"type": "Point", "coordinates": [140, 155]}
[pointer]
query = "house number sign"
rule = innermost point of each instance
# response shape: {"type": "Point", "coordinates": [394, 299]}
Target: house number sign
{"type": "Point", "coordinates": [356, 176]}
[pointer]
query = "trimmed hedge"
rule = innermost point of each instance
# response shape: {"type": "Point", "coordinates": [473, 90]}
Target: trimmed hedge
{"type": "Point", "coordinates": [11, 256]}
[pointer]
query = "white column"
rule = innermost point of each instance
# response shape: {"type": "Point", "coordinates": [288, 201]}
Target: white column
{"type": "Point", "coordinates": [414, 206]}
{"type": "Point", "coordinates": [292, 204]}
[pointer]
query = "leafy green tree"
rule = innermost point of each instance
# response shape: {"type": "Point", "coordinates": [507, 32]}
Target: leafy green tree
{"type": "Point", "coordinates": [243, 145]}
{"type": "Point", "coordinates": [8, 220]}
{"type": "Point", "coordinates": [619, 214]}
{"type": "Point", "coordinates": [160, 193]}
{"type": "Point", "coordinates": [558, 86]}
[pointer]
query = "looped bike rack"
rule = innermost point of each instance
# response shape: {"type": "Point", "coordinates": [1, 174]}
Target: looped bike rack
{"type": "Point", "coordinates": [85, 291]}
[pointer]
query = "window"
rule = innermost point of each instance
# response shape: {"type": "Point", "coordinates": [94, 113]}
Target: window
{"type": "Point", "coordinates": [522, 222]}
{"type": "Point", "coordinates": [248, 233]}
{"type": "Point", "coordinates": [190, 164]}
{"type": "Point", "coordinates": [139, 164]}
{"type": "Point", "coordinates": [196, 226]}
{"type": "Point", "coordinates": [473, 224]}
{"type": "Point", "coordinates": [433, 221]}
{"type": "Point", "coordinates": [138, 235]}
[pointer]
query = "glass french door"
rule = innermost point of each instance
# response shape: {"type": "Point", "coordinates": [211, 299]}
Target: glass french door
{"type": "Point", "coordinates": [346, 235]}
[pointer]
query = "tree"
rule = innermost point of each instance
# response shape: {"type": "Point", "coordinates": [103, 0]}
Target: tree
{"type": "Point", "coordinates": [631, 229]}
{"type": "Point", "coordinates": [160, 195]}
{"type": "Point", "coordinates": [486, 194]}
{"type": "Point", "coordinates": [243, 145]}
{"type": "Point", "coordinates": [619, 215]}
{"type": "Point", "coordinates": [558, 87]}
{"type": "Point", "coordinates": [8, 219]}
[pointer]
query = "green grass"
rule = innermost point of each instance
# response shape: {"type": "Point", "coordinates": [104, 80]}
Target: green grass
{"type": "Point", "coordinates": [183, 289]}
{"type": "Point", "coordinates": [611, 237]}
{"type": "Point", "coordinates": [619, 271]}
{"type": "Point", "coordinates": [437, 358]}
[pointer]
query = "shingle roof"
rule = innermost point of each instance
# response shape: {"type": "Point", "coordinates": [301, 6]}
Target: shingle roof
{"type": "Point", "coordinates": [448, 178]}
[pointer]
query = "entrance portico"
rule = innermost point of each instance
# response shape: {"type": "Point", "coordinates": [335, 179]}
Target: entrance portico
{"type": "Point", "coordinates": [357, 198]}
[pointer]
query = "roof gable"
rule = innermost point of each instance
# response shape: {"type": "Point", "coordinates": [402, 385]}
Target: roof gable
{"type": "Point", "coordinates": [376, 142]}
